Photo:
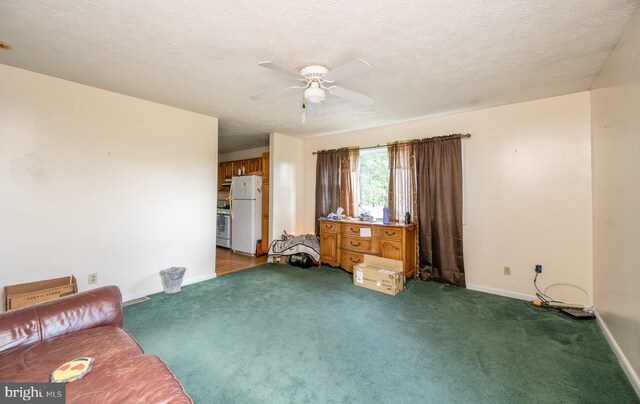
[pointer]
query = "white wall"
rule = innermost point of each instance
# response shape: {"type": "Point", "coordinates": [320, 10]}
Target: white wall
{"type": "Point", "coordinates": [616, 197]}
{"type": "Point", "coordinates": [94, 181]}
{"type": "Point", "coordinates": [242, 154]}
{"type": "Point", "coordinates": [527, 190]}
{"type": "Point", "coordinates": [285, 176]}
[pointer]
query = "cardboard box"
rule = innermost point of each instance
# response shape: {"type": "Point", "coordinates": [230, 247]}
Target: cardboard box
{"type": "Point", "coordinates": [381, 274]}
{"type": "Point", "coordinates": [25, 294]}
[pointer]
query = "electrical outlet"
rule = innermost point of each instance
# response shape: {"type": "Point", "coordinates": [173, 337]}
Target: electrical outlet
{"type": "Point", "coordinates": [93, 278]}
{"type": "Point", "coordinates": [507, 270]}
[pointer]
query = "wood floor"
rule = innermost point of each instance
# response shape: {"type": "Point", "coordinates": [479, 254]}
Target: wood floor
{"type": "Point", "coordinates": [228, 262]}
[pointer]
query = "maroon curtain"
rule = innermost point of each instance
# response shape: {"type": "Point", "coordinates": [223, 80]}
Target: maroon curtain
{"type": "Point", "coordinates": [439, 191]}
{"type": "Point", "coordinates": [327, 183]}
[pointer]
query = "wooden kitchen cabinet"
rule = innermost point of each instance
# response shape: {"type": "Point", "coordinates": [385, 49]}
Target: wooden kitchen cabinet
{"type": "Point", "coordinates": [265, 167]}
{"type": "Point", "coordinates": [255, 166]}
{"type": "Point", "coordinates": [343, 243]}
{"type": "Point", "coordinates": [237, 166]}
{"type": "Point", "coordinates": [225, 172]}
{"type": "Point", "coordinates": [230, 169]}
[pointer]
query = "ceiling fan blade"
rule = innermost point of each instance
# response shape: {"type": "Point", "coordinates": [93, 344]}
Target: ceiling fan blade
{"type": "Point", "coordinates": [273, 94]}
{"type": "Point", "coordinates": [283, 70]}
{"type": "Point", "coordinates": [350, 69]}
{"type": "Point", "coordinates": [351, 95]}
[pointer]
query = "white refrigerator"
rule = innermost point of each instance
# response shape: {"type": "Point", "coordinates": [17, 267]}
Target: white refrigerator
{"type": "Point", "coordinates": [246, 213]}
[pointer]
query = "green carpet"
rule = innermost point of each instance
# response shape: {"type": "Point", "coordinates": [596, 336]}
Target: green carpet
{"type": "Point", "coordinates": [279, 334]}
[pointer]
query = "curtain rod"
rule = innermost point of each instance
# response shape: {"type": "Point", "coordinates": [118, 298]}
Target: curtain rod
{"type": "Point", "coordinates": [456, 136]}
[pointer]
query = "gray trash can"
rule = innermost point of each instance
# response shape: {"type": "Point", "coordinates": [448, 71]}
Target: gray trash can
{"type": "Point", "coordinates": [172, 279]}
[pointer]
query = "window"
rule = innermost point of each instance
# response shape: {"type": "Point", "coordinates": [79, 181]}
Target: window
{"type": "Point", "coordinates": [374, 181]}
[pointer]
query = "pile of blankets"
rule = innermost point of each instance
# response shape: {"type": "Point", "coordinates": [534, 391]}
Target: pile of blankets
{"type": "Point", "coordinates": [289, 245]}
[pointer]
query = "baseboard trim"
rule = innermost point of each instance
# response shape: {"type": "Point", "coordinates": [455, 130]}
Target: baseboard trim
{"type": "Point", "coordinates": [622, 358]}
{"type": "Point", "coordinates": [500, 292]}
{"type": "Point", "coordinates": [190, 281]}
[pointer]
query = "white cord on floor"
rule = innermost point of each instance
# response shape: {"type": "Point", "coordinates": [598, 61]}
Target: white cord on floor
{"type": "Point", "coordinates": [570, 285]}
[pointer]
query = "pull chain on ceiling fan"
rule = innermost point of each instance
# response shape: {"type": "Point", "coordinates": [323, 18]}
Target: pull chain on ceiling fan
{"type": "Point", "coordinates": [317, 81]}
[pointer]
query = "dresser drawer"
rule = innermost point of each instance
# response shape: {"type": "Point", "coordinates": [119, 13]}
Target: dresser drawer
{"type": "Point", "coordinates": [354, 230]}
{"type": "Point", "coordinates": [390, 233]}
{"type": "Point", "coordinates": [348, 259]}
{"type": "Point", "coordinates": [360, 244]}
{"type": "Point", "coordinates": [329, 227]}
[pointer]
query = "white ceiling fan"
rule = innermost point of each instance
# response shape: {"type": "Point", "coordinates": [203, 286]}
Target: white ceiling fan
{"type": "Point", "coordinates": [316, 82]}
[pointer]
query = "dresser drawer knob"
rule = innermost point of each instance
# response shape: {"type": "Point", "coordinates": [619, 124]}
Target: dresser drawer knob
{"type": "Point", "coordinates": [388, 233]}
{"type": "Point", "coordinates": [355, 244]}
{"type": "Point", "coordinates": [355, 261]}
{"type": "Point", "coordinates": [328, 226]}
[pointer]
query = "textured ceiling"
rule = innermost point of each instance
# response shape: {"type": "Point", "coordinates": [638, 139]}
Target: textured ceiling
{"type": "Point", "coordinates": [428, 57]}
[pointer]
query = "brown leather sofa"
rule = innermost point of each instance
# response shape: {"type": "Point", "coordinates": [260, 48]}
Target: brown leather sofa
{"type": "Point", "coordinates": [37, 339]}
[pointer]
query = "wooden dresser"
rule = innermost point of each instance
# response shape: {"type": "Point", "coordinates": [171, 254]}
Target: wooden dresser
{"type": "Point", "coordinates": [342, 243]}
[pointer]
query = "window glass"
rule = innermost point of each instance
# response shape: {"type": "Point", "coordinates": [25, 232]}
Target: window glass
{"type": "Point", "coordinates": [374, 181]}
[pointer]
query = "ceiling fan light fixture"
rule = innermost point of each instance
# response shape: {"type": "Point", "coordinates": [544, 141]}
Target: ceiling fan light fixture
{"type": "Point", "coordinates": [316, 83]}
{"type": "Point", "coordinates": [314, 94]}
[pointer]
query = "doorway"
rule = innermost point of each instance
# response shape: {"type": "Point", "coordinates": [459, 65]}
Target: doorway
{"type": "Point", "coordinates": [250, 169]}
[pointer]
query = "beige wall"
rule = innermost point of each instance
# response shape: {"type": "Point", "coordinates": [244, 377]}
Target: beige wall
{"type": "Point", "coordinates": [94, 181]}
{"type": "Point", "coordinates": [527, 190]}
{"type": "Point", "coordinates": [616, 197]}
{"type": "Point", "coordinates": [243, 154]}
{"type": "Point", "coordinates": [285, 176]}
